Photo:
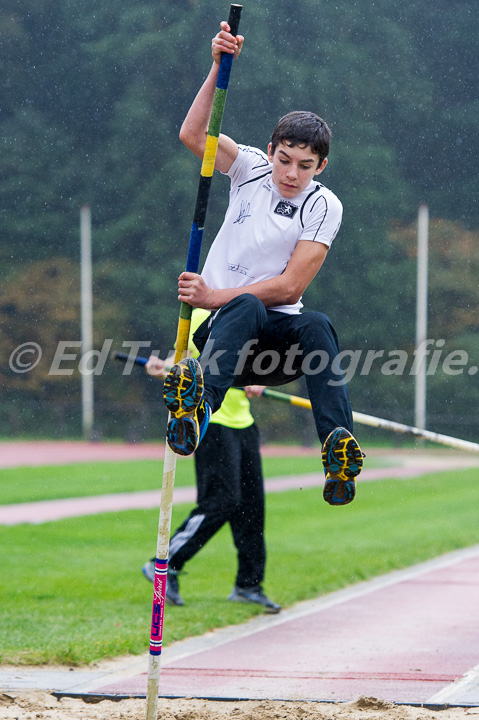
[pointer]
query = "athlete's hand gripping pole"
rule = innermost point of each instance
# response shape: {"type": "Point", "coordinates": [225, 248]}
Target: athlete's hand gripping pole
{"type": "Point", "coordinates": [184, 322]}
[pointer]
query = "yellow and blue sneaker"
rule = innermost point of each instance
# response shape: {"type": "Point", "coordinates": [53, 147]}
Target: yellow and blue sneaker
{"type": "Point", "coordinates": [342, 460]}
{"type": "Point", "coordinates": [190, 414]}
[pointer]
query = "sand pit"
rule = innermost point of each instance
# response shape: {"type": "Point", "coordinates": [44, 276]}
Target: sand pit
{"type": "Point", "coordinates": [40, 705]}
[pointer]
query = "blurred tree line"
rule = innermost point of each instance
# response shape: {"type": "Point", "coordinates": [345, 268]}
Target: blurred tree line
{"type": "Point", "coordinates": [92, 97]}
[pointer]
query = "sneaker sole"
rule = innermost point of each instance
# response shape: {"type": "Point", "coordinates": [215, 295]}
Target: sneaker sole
{"type": "Point", "coordinates": [339, 492]}
{"type": "Point", "coordinates": [343, 459]}
{"type": "Point", "coordinates": [182, 434]}
{"type": "Point", "coordinates": [183, 387]}
{"type": "Point", "coordinates": [341, 455]}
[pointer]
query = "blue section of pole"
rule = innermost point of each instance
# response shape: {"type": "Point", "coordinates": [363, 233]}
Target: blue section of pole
{"type": "Point", "coordinates": [194, 249]}
{"type": "Point", "coordinates": [224, 71]}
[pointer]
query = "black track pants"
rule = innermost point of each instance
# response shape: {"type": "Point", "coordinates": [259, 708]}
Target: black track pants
{"type": "Point", "coordinates": [230, 489]}
{"type": "Point", "coordinates": [246, 344]}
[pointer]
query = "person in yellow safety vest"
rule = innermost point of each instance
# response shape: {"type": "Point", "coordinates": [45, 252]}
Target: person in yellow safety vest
{"type": "Point", "coordinates": [230, 488]}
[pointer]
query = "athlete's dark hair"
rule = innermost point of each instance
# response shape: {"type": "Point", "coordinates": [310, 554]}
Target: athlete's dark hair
{"type": "Point", "coordinates": [302, 128]}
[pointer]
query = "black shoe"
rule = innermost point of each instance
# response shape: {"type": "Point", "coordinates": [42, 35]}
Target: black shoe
{"type": "Point", "coordinates": [255, 595]}
{"type": "Point", "coordinates": [172, 594]}
{"type": "Point", "coordinates": [148, 570]}
{"type": "Point", "coordinates": [342, 460]}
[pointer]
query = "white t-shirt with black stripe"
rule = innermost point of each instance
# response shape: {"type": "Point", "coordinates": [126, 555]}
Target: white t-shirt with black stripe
{"type": "Point", "coordinates": [262, 228]}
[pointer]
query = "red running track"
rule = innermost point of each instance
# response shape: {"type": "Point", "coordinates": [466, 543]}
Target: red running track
{"type": "Point", "coordinates": [43, 511]}
{"type": "Point", "coordinates": [60, 452]}
{"type": "Point", "coordinates": [16, 454]}
{"type": "Point", "coordinates": [412, 637]}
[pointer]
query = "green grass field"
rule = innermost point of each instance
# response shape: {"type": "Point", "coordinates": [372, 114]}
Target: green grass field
{"type": "Point", "coordinates": [72, 591]}
{"type": "Point", "coordinates": [81, 480]}
{"type": "Point", "coordinates": [28, 484]}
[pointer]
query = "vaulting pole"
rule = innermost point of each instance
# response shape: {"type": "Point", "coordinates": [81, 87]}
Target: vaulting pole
{"type": "Point", "coordinates": [358, 417]}
{"type": "Point", "coordinates": [184, 322]}
{"type": "Point", "coordinates": [373, 421]}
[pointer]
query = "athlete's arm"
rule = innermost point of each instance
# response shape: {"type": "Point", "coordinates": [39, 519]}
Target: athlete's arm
{"type": "Point", "coordinates": [285, 289]}
{"type": "Point", "coordinates": [195, 126]}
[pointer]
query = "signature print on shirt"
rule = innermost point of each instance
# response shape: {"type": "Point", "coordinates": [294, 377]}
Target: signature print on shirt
{"type": "Point", "coordinates": [244, 212]}
{"type": "Point", "coordinates": [241, 269]}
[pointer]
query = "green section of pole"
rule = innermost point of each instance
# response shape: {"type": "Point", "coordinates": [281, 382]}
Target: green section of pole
{"type": "Point", "coordinates": [217, 112]}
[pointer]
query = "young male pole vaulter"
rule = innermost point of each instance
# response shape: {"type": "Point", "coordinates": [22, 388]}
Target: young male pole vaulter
{"type": "Point", "coordinates": [277, 230]}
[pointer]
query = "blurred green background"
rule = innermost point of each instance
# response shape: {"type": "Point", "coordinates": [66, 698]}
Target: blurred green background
{"type": "Point", "coordinates": [92, 99]}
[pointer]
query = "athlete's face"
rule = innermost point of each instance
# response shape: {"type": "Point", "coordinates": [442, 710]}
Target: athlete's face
{"type": "Point", "coordinates": [294, 168]}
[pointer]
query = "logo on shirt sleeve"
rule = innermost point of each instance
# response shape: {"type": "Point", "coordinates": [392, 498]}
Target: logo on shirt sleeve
{"type": "Point", "coordinates": [286, 209]}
